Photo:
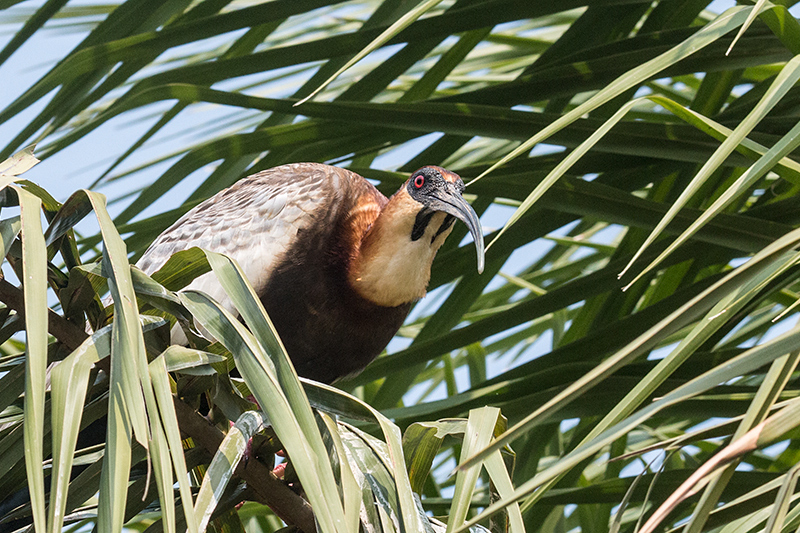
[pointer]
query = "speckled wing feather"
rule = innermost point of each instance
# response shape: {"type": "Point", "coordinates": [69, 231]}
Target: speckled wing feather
{"type": "Point", "coordinates": [255, 222]}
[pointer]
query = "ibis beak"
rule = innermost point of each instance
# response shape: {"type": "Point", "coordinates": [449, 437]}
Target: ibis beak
{"type": "Point", "coordinates": [451, 202]}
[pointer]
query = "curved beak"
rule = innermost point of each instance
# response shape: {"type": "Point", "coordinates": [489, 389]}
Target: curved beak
{"type": "Point", "coordinates": [451, 202]}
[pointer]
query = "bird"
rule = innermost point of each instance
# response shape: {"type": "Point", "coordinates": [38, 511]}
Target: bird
{"type": "Point", "coordinates": [335, 263]}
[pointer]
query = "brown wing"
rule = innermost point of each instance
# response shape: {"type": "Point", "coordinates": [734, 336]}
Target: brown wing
{"type": "Point", "coordinates": [257, 220]}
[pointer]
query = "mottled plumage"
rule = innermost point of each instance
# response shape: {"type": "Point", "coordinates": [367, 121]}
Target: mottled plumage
{"type": "Point", "coordinates": [336, 276]}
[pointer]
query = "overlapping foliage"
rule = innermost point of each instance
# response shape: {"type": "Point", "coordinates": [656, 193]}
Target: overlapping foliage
{"type": "Point", "coordinates": [669, 157]}
{"type": "Point", "coordinates": [148, 388]}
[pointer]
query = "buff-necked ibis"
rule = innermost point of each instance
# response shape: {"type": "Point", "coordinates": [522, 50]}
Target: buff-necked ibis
{"type": "Point", "coordinates": [336, 264]}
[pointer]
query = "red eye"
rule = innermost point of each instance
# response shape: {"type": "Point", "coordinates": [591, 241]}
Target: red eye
{"type": "Point", "coordinates": [419, 181]}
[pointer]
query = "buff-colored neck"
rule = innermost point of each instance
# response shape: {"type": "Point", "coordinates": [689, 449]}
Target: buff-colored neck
{"type": "Point", "coordinates": [390, 269]}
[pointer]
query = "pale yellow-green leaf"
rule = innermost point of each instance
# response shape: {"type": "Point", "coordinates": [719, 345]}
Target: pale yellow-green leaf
{"type": "Point", "coordinates": [496, 469]}
{"type": "Point", "coordinates": [750, 18]}
{"type": "Point", "coordinates": [15, 165]}
{"type": "Point", "coordinates": [260, 377]}
{"type": "Point", "coordinates": [783, 83]}
{"type": "Point", "coordinates": [69, 382]}
{"type": "Point", "coordinates": [480, 428]}
{"type": "Point", "coordinates": [782, 501]}
{"type": "Point", "coordinates": [9, 229]}
{"type": "Point", "coordinates": [402, 23]}
{"type": "Point", "coordinates": [563, 167]}
{"type": "Point", "coordinates": [34, 284]}
{"type": "Point", "coordinates": [351, 492]}
{"type": "Point", "coordinates": [224, 464]}
{"type": "Point", "coordinates": [158, 373]}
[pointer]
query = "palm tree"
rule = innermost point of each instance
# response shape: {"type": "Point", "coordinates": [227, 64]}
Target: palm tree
{"type": "Point", "coordinates": [626, 361]}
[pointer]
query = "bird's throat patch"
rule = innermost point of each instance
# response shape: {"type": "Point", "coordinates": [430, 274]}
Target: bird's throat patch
{"type": "Point", "coordinates": [446, 224]}
{"type": "Point", "coordinates": [421, 223]}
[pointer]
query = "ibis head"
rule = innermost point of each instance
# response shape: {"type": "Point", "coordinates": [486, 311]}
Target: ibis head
{"type": "Point", "coordinates": [439, 190]}
{"type": "Point", "coordinates": [336, 264]}
{"type": "Point", "coordinates": [393, 263]}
